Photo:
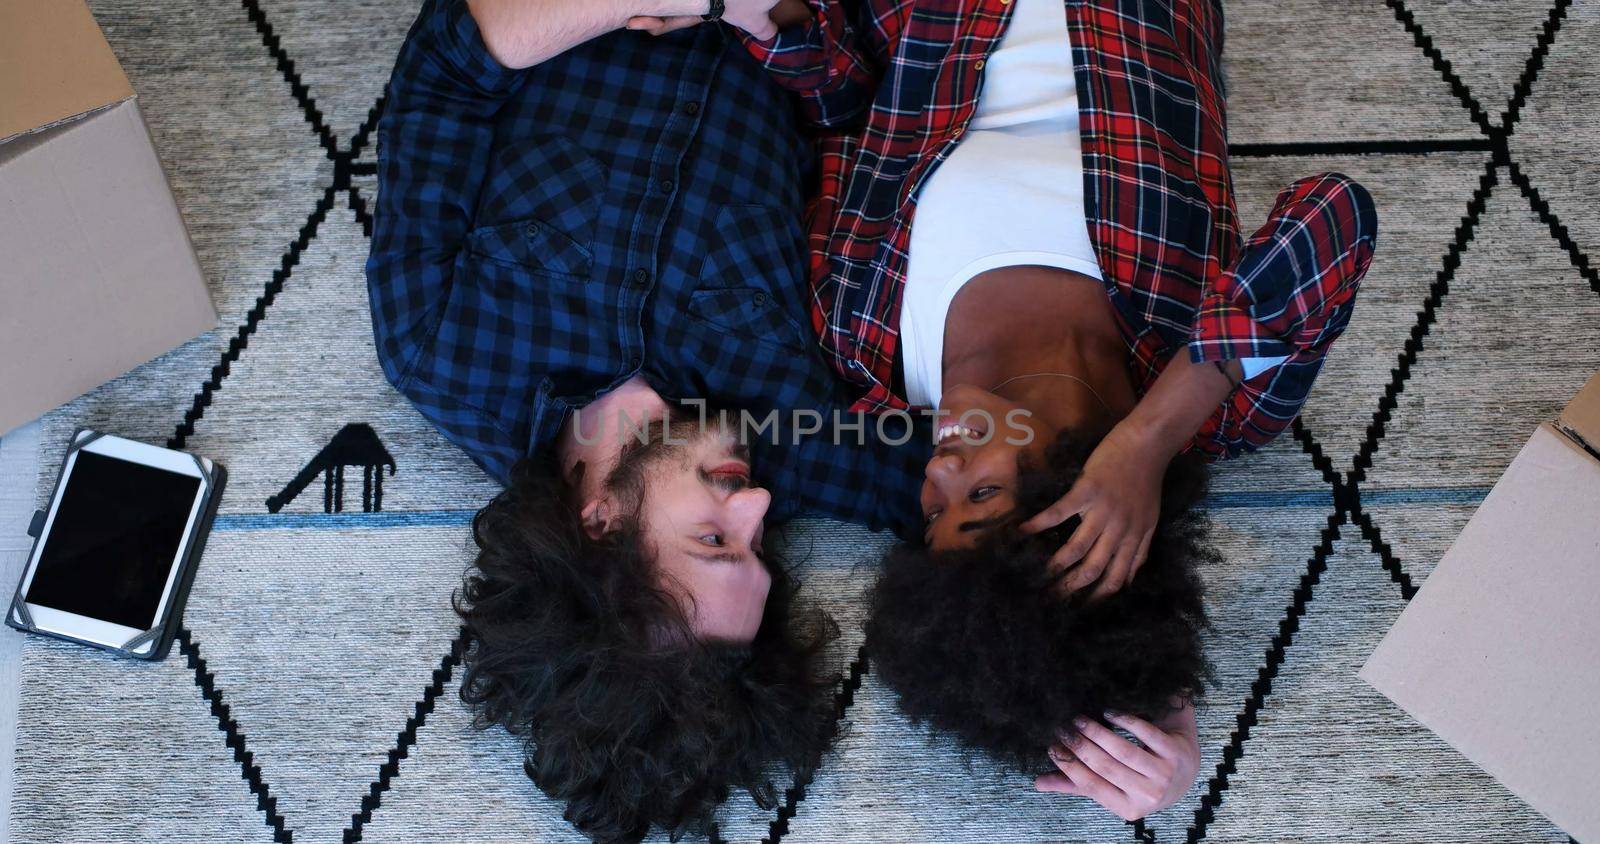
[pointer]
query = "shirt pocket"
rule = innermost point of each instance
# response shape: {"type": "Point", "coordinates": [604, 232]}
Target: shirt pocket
{"type": "Point", "coordinates": [746, 312]}
{"type": "Point", "coordinates": [533, 244]}
{"type": "Point", "coordinates": [539, 207]}
{"type": "Point", "coordinates": [752, 275]}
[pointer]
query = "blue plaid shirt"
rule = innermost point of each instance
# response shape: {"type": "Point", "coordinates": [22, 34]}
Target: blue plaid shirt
{"type": "Point", "coordinates": [629, 207]}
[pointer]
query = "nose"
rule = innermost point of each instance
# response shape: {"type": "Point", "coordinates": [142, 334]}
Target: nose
{"type": "Point", "coordinates": [746, 509]}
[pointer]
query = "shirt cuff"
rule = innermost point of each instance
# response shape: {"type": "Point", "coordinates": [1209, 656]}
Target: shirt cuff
{"type": "Point", "coordinates": [1226, 330]}
{"type": "Point", "coordinates": [549, 414]}
{"type": "Point", "coordinates": [1251, 367]}
{"type": "Point", "coordinates": [793, 40]}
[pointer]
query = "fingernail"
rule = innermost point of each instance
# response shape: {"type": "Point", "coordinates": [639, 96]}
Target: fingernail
{"type": "Point", "coordinates": [1080, 722]}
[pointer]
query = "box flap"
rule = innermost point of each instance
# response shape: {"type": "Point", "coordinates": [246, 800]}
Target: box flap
{"type": "Point", "coordinates": [1496, 653]}
{"type": "Point", "coordinates": [96, 271]}
{"type": "Point", "coordinates": [54, 65]}
{"type": "Point", "coordinates": [1582, 416]}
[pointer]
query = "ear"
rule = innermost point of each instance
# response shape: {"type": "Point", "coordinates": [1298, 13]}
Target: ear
{"type": "Point", "coordinates": [598, 517]}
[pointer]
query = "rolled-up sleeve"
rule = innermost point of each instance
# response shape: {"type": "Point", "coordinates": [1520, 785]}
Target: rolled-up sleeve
{"type": "Point", "coordinates": [434, 144]}
{"type": "Point", "coordinates": [1304, 263]}
{"type": "Point", "coordinates": [833, 63]}
{"type": "Point", "coordinates": [1288, 295]}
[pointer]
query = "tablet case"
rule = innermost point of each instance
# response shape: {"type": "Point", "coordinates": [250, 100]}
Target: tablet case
{"type": "Point", "coordinates": [172, 616]}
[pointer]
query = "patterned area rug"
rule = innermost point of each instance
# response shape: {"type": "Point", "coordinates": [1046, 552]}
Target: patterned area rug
{"type": "Point", "coordinates": [313, 695]}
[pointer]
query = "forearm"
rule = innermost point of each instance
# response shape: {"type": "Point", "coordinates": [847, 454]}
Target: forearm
{"type": "Point", "coordinates": [523, 33]}
{"type": "Point", "coordinates": [1184, 397]}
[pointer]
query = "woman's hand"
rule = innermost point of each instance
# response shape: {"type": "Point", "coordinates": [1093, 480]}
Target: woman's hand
{"type": "Point", "coordinates": [1132, 780]}
{"type": "Point", "coordinates": [1118, 496]}
{"type": "Point", "coordinates": [1117, 499]}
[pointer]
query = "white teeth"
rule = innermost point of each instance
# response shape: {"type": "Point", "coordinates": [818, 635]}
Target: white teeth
{"type": "Point", "coordinates": [953, 430]}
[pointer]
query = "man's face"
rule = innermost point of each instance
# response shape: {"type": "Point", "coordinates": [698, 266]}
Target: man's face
{"type": "Point", "coordinates": [970, 484]}
{"type": "Point", "coordinates": [702, 520]}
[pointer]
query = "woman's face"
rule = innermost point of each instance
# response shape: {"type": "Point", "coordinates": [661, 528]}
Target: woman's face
{"type": "Point", "coordinates": [969, 484]}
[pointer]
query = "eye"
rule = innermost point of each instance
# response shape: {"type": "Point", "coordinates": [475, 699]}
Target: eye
{"type": "Point", "coordinates": [928, 518]}
{"type": "Point", "coordinates": [982, 493]}
{"type": "Point", "coordinates": [714, 540]}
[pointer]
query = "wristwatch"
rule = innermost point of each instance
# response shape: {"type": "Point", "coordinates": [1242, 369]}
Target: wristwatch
{"type": "Point", "coordinates": [715, 13]}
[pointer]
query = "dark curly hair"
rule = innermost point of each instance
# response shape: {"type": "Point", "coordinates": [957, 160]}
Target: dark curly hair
{"type": "Point", "coordinates": [980, 642]}
{"type": "Point", "coordinates": [567, 652]}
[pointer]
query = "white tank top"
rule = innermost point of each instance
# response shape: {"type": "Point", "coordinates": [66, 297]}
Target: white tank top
{"type": "Point", "coordinates": [1009, 194]}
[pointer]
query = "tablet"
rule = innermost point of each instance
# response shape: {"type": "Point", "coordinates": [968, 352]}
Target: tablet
{"type": "Point", "coordinates": [115, 550]}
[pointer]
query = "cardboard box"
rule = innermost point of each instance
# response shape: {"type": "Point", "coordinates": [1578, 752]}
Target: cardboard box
{"type": "Point", "coordinates": [1499, 653]}
{"type": "Point", "coordinates": [97, 274]}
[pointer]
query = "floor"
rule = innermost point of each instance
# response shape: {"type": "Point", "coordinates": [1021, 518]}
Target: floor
{"type": "Point", "coordinates": [18, 454]}
{"type": "Point", "coordinates": [1470, 121]}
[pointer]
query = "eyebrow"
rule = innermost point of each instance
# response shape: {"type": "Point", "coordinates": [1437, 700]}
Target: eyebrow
{"type": "Point", "coordinates": [980, 524]}
{"type": "Point", "coordinates": [965, 527]}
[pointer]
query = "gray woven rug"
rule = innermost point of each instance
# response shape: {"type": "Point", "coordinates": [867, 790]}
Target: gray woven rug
{"type": "Point", "coordinates": [314, 696]}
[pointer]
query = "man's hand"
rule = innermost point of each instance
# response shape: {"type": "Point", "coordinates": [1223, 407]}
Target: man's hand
{"type": "Point", "coordinates": [1118, 500]}
{"type": "Point", "coordinates": [752, 16]}
{"type": "Point", "coordinates": [662, 26]}
{"type": "Point", "coordinates": [1129, 779]}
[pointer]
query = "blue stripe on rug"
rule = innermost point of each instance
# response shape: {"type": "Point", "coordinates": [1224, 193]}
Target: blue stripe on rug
{"type": "Point", "coordinates": [1293, 498]}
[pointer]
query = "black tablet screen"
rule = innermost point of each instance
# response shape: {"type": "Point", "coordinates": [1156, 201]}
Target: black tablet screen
{"type": "Point", "coordinates": [111, 546]}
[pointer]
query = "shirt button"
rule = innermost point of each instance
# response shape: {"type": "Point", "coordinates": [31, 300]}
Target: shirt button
{"type": "Point", "coordinates": [667, 185]}
{"type": "Point", "coordinates": [693, 109]}
{"type": "Point", "coordinates": [533, 229]}
{"type": "Point", "coordinates": [633, 362]}
{"type": "Point", "coordinates": [761, 298]}
{"type": "Point", "coordinates": [977, 65]}
{"type": "Point", "coordinates": [641, 278]}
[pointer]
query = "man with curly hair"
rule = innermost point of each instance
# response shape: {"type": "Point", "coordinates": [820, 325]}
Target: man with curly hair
{"type": "Point", "coordinates": [646, 672]}
{"type": "Point", "coordinates": [578, 230]}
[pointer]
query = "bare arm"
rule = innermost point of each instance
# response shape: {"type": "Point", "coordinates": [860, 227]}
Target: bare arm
{"type": "Point", "coordinates": [1311, 254]}
{"type": "Point", "coordinates": [1185, 395]}
{"type": "Point", "coordinates": [523, 33]}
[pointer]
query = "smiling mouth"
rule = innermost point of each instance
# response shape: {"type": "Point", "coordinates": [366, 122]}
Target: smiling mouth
{"type": "Point", "coordinates": [948, 434]}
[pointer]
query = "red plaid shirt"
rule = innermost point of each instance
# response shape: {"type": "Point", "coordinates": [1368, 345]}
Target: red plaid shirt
{"type": "Point", "coordinates": [892, 85]}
